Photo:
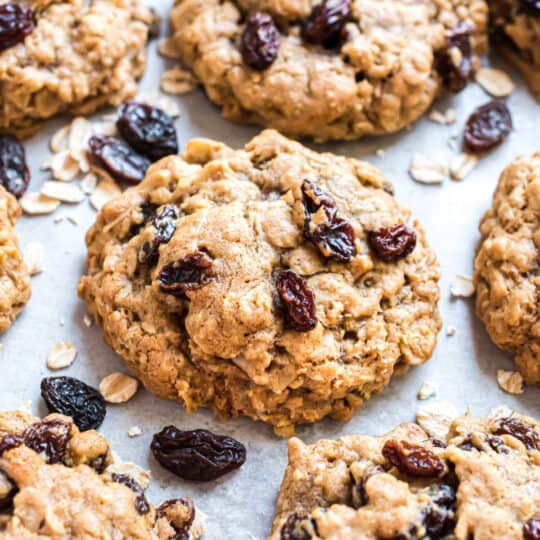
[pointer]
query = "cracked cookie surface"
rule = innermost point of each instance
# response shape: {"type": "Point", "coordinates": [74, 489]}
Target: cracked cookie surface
{"type": "Point", "coordinates": [506, 275]}
{"type": "Point", "coordinates": [78, 57]}
{"type": "Point", "coordinates": [381, 78]}
{"type": "Point", "coordinates": [485, 484]}
{"type": "Point", "coordinates": [59, 483]}
{"type": "Point", "coordinates": [190, 277]}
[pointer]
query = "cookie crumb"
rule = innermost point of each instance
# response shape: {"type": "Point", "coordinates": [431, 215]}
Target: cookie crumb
{"type": "Point", "coordinates": [178, 81]}
{"type": "Point", "coordinates": [118, 387]}
{"type": "Point", "coordinates": [462, 164]}
{"type": "Point", "coordinates": [134, 431]}
{"type": "Point", "coordinates": [88, 321]}
{"type": "Point", "coordinates": [73, 219]}
{"type": "Point", "coordinates": [426, 391]}
{"type": "Point", "coordinates": [435, 418]}
{"type": "Point", "coordinates": [463, 287]}
{"type": "Point", "coordinates": [495, 81]}
{"type": "Point", "coordinates": [450, 331]}
{"type": "Point", "coordinates": [447, 118]}
{"type": "Point", "coordinates": [62, 355]}
{"type": "Point", "coordinates": [427, 170]}
{"type": "Point", "coordinates": [510, 381]}
{"type": "Point", "coordinates": [379, 152]}
{"type": "Point", "coordinates": [34, 257]}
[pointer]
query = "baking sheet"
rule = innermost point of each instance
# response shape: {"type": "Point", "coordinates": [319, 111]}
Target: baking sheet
{"type": "Point", "coordinates": [241, 505]}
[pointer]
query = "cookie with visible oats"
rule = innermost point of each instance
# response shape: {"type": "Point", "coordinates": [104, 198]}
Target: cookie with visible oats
{"type": "Point", "coordinates": [273, 281]}
{"type": "Point", "coordinates": [482, 481]}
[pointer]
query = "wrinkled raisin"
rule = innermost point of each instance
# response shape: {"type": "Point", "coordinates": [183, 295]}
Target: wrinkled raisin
{"type": "Point", "coordinates": [531, 529]}
{"type": "Point", "coordinates": [180, 513]}
{"type": "Point", "coordinates": [497, 444]}
{"type": "Point", "coordinates": [165, 225]}
{"type": "Point", "coordinates": [186, 274]}
{"type": "Point", "coordinates": [298, 301]}
{"type": "Point", "coordinates": [454, 62]}
{"type": "Point", "coordinates": [412, 460]}
{"type": "Point", "coordinates": [14, 173]}
{"type": "Point", "coordinates": [49, 438]}
{"type": "Point", "coordinates": [314, 198]}
{"type": "Point", "coordinates": [148, 129]}
{"type": "Point", "coordinates": [325, 23]}
{"type": "Point", "coordinates": [520, 430]}
{"type": "Point", "coordinates": [69, 396]}
{"type": "Point", "coordinates": [294, 528]}
{"type": "Point", "coordinates": [148, 211]}
{"type": "Point", "coordinates": [532, 7]}
{"type": "Point", "coordinates": [16, 22]}
{"type": "Point", "coordinates": [198, 455]}
{"type": "Point", "coordinates": [141, 504]}
{"type": "Point", "coordinates": [260, 41]}
{"type": "Point", "coordinates": [487, 127]}
{"type": "Point", "coordinates": [8, 490]}
{"type": "Point", "coordinates": [118, 158]}
{"type": "Point", "coordinates": [438, 517]}
{"type": "Point", "coordinates": [392, 243]}
{"type": "Point", "coordinates": [9, 441]}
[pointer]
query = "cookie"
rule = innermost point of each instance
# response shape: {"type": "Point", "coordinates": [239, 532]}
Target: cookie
{"type": "Point", "coordinates": [74, 57]}
{"type": "Point", "coordinates": [336, 70]}
{"type": "Point", "coordinates": [14, 276]}
{"type": "Point", "coordinates": [481, 482]}
{"type": "Point", "coordinates": [516, 25]}
{"type": "Point", "coordinates": [506, 266]}
{"type": "Point", "coordinates": [273, 282]}
{"type": "Point", "coordinates": [57, 482]}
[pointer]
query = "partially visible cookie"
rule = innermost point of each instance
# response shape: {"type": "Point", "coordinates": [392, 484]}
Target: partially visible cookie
{"type": "Point", "coordinates": [57, 483]}
{"type": "Point", "coordinates": [507, 266]}
{"type": "Point", "coordinates": [481, 482]}
{"type": "Point", "coordinates": [14, 276]}
{"type": "Point", "coordinates": [516, 24]}
{"type": "Point", "coordinates": [334, 69]}
{"type": "Point", "coordinates": [72, 56]}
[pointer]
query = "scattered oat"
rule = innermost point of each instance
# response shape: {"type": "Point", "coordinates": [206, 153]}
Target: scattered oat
{"type": "Point", "coordinates": [87, 320]}
{"type": "Point", "coordinates": [59, 141]}
{"type": "Point", "coordinates": [427, 390]}
{"type": "Point", "coordinates": [104, 192]}
{"type": "Point", "coordinates": [451, 331]}
{"type": "Point", "coordinates": [68, 193]}
{"type": "Point", "coordinates": [166, 47]}
{"type": "Point", "coordinates": [495, 81]}
{"type": "Point", "coordinates": [63, 166]}
{"type": "Point", "coordinates": [463, 286]}
{"type": "Point", "coordinates": [427, 170]}
{"type": "Point", "coordinates": [106, 128]}
{"type": "Point", "coordinates": [379, 152]}
{"type": "Point", "coordinates": [118, 387]}
{"type": "Point", "coordinates": [34, 256]}
{"type": "Point", "coordinates": [80, 132]}
{"type": "Point", "coordinates": [141, 476]}
{"type": "Point", "coordinates": [72, 218]}
{"type": "Point", "coordinates": [36, 204]}
{"type": "Point", "coordinates": [178, 81]}
{"type": "Point", "coordinates": [501, 411]}
{"type": "Point", "coordinates": [510, 381]}
{"type": "Point", "coordinates": [447, 118]}
{"type": "Point", "coordinates": [162, 102]}
{"type": "Point", "coordinates": [58, 219]}
{"type": "Point", "coordinates": [62, 355]}
{"type": "Point", "coordinates": [435, 418]}
{"type": "Point", "coordinates": [89, 183]}
{"type": "Point", "coordinates": [462, 164]}
{"type": "Point", "coordinates": [134, 431]}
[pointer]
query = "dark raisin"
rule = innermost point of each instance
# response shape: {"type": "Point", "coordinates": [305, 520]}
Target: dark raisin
{"type": "Point", "coordinates": [69, 396]}
{"type": "Point", "coordinates": [9, 441]}
{"type": "Point", "coordinates": [141, 504]}
{"type": "Point", "coordinates": [16, 22]}
{"type": "Point", "coordinates": [148, 129]}
{"type": "Point", "coordinates": [260, 41]}
{"type": "Point", "coordinates": [7, 494]}
{"type": "Point", "coordinates": [294, 529]}
{"type": "Point", "coordinates": [14, 173]}
{"type": "Point", "coordinates": [467, 443]}
{"type": "Point", "coordinates": [497, 444]}
{"type": "Point", "coordinates": [392, 243]}
{"type": "Point", "coordinates": [531, 529]}
{"type": "Point", "coordinates": [186, 274]}
{"type": "Point", "coordinates": [438, 517]}
{"type": "Point", "coordinates": [180, 513]}
{"type": "Point", "coordinates": [198, 455]}
{"type": "Point", "coordinates": [49, 438]}
{"type": "Point", "coordinates": [487, 127]}
{"type": "Point", "coordinates": [314, 198]}
{"type": "Point", "coordinates": [520, 430]}
{"type": "Point", "coordinates": [412, 460]}
{"type": "Point", "coordinates": [532, 7]}
{"type": "Point", "coordinates": [325, 23]}
{"type": "Point", "coordinates": [165, 225]}
{"type": "Point", "coordinates": [118, 158]}
{"type": "Point", "coordinates": [297, 300]}
{"type": "Point", "coordinates": [458, 44]}
{"type": "Point", "coordinates": [148, 211]}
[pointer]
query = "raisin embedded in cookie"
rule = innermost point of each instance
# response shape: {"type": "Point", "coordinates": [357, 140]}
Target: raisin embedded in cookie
{"type": "Point", "coordinates": [516, 25]}
{"type": "Point", "coordinates": [507, 266]}
{"type": "Point", "coordinates": [68, 56]}
{"type": "Point", "coordinates": [273, 281]}
{"type": "Point", "coordinates": [57, 482]}
{"type": "Point", "coordinates": [334, 69]}
{"type": "Point", "coordinates": [481, 482]}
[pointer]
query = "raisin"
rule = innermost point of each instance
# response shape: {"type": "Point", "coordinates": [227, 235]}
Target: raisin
{"type": "Point", "coordinates": [260, 41]}
{"type": "Point", "coordinates": [520, 430]}
{"type": "Point", "coordinates": [497, 444]}
{"type": "Point", "coordinates": [293, 528]}
{"type": "Point", "coordinates": [118, 158]}
{"type": "Point", "coordinates": [180, 514]}
{"type": "Point", "coordinates": [487, 127]}
{"type": "Point", "coordinates": [16, 22]}
{"type": "Point", "coordinates": [392, 243]}
{"type": "Point", "coordinates": [314, 198]}
{"type": "Point", "coordinates": [49, 439]}
{"type": "Point", "coordinates": [148, 211]}
{"type": "Point", "coordinates": [297, 300]}
{"type": "Point", "coordinates": [148, 129]}
{"type": "Point", "coordinates": [69, 396]}
{"type": "Point", "coordinates": [8, 492]}
{"type": "Point", "coordinates": [198, 455]}
{"type": "Point", "coordinates": [531, 529]}
{"type": "Point", "coordinates": [186, 274]}
{"type": "Point", "coordinates": [457, 50]}
{"type": "Point", "coordinates": [412, 460]}
{"type": "Point", "coordinates": [14, 173]}
{"type": "Point", "coordinates": [325, 23]}
{"type": "Point", "coordinates": [165, 225]}
{"type": "Point", "coordinates": [141, 504]}
{"type": "Point", "coordinates": [532, 7]}
{"type": "Point", "coordinates": [9, 441]}
{"type": "Point", "coordinates": [438, 517]}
